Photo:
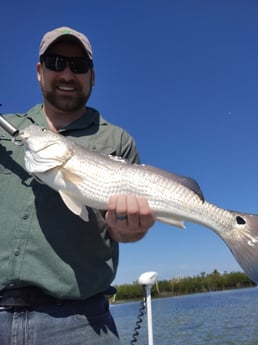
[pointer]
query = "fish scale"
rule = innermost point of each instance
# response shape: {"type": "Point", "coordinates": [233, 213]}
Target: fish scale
{"type": "Point", "coordinates": [118, 179]}
{"type": "Point", "coordinates": [84, 178]}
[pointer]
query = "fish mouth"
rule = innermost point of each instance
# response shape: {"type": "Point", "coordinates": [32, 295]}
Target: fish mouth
{"type": "Point", "coordinates": [23, 135]}
{"type": "Point", "coordinates": [31, 130]}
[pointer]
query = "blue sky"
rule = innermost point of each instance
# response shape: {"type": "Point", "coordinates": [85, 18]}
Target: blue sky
{"type": "Point", "coordinates": [182, 78]}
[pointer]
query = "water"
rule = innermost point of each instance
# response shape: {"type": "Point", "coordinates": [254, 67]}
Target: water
{"type": "Point", "coordinates": [216, 318]}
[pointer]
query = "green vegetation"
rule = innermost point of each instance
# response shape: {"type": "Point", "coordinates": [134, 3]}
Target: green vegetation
{"type": "Point", "coordinates": [214, 281]}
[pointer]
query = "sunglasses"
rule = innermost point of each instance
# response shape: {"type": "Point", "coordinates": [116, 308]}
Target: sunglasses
{"type": "Point", "coordinates": [58, 63]}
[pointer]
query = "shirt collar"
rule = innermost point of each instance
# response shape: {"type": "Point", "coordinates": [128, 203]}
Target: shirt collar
{"type": "Point", "coordinates": [91, 117]}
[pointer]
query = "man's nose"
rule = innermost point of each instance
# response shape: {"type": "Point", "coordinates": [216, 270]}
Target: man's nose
{"type": "Point", "coordinates": [67, 73]}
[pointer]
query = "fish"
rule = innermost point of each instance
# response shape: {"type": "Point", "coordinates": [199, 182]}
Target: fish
{"type": "Point", "coordinates": [84, 178]}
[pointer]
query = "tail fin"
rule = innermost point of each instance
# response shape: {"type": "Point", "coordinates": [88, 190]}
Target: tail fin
{"type": "Point", "coordinates": [243, 243]}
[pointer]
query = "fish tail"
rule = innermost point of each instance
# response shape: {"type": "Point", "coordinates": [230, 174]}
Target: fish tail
{"type": "Point", "coordinates": [243, 242]}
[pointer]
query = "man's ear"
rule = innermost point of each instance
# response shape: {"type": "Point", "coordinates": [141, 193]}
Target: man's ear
{"type": "Point", "coordinates": [39, 71]}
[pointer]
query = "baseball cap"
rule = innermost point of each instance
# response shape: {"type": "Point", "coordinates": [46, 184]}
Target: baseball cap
{"type": "Point", "coordinates": [59, 33]}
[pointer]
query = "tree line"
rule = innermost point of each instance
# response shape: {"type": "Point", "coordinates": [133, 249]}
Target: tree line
{"type": "Point", "coordinates": [203, 282]}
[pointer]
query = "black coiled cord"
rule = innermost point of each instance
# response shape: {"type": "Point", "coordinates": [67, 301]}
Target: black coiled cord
{"type": "Point", "coordinates": [139, 320]}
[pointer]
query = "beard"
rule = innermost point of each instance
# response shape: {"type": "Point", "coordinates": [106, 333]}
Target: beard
{"type": "Point", "coordinates": [66, 103]}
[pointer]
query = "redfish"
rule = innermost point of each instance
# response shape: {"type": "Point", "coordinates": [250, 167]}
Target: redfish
{"type": "Point", "coordinates": [88, 179]}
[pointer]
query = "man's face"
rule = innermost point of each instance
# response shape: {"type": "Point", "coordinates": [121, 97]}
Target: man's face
{"type": "Point", "coordinates": [64, 90]}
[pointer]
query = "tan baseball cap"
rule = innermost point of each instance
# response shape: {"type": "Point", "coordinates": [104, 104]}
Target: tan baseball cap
{"type": "Point", "coordinates": [60, 33]}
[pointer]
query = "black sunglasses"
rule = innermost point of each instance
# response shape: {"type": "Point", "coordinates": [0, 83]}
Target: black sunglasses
{"type": "Point", "coordinates": [58, 63]}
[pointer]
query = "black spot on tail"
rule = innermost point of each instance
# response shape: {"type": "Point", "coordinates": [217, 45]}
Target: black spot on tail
{"type": "Point", "coordinates": [240, 220]}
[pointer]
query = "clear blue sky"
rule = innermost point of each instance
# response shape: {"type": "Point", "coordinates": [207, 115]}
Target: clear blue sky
{"type": "Point", "coordinates": [182, 77]}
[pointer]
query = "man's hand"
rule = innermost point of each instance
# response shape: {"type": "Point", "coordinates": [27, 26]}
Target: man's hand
{"type": "Point", "coordinates": [129, 217]}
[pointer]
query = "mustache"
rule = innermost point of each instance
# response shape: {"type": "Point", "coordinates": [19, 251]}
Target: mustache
{"type": "Point", "coordinates": [71, 83]}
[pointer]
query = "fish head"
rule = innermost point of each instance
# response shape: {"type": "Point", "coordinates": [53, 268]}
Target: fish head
{"type": "Point", "coordinates": [44, 149]}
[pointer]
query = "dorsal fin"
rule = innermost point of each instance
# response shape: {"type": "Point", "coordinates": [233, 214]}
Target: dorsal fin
{"type": "Point", "coordinates": [183, 180]}
{"type": "Point", "coordinates": [118, 159]}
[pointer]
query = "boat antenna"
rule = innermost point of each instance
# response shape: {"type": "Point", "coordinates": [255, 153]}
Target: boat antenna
{"type": "Point", "coordinates": [148, 279]}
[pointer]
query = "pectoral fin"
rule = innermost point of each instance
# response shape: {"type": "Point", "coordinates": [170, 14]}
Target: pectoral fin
{"type": "Point", "coordinates": [75, 206]}
{"type": "Point", "coordinates": [71, 177]}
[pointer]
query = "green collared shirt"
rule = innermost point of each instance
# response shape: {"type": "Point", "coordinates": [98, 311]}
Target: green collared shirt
{"type": "Point", "coordinates": [42, 243]}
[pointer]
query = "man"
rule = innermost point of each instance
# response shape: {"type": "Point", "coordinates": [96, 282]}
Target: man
{"type": "Point", "coordinates": [56, 269]}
